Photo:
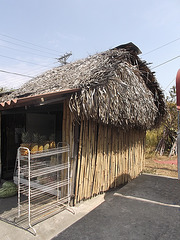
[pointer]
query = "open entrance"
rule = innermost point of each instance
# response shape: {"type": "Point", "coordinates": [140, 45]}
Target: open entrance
{"type": "Point", "coordinates": [43, 120]}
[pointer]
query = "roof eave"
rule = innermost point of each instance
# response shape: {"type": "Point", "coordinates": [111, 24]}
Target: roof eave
{"type": "Point", "coordinates": [32, 100]}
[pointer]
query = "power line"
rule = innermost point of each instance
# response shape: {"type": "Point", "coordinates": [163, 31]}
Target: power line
{"type": "Point", "coordinates": [164, 45]}
{"type": "Point", "coordinates": [17, 77]}
{"type": "Point", "coordinates": [19, 74]}
{"type": "Point", "coordinates": [27, 47]}
{"type": "Point", "coordinates": [22, 61]}
{"type": "Point", "coordinates": [169, 84]}
{"type": "Point", "coordinates": [26, 74]}
{"type": "Point", "coordinates": [25, 51]}
{"type": "Point", "coordinates": [15, 80]}
{"type": "Point", "coordinates": [4, 35]}
{"type": "Point", "coordinates": [35, 72]}
{"type": "Point", "coordinates": [166, 62]}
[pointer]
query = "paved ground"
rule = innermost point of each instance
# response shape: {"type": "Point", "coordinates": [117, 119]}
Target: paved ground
{"type": "Point", "coordinates": [146, 208]}
{"type": "Point", "coordinates": [49, 228]}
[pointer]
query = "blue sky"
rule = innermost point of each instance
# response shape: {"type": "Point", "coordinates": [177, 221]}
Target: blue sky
{"type": "Point", "coordinates": [50, 28]}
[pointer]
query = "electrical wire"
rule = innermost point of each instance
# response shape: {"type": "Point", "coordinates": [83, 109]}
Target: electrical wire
{"type": "Point", "coordinates": [48, 65]}
{"type": "Point", "coordinates": [170, 84]}
{"type": "Point", "coordinates": [19, 50]}
{"type": "Point", "coordinates": [164, 45]}
{"type": "Point", "coordinates": [22, 60]}
{"type": "Point", "coordinates": [27, 47]}
{"type": "Point", "coordinates": [166, 62]}
{"type": "Point", "coordinates": [19, 74]}
{"type": "Point", "coordinates": [4, 35]}
{"type": "Point", "coordinates": [42, 66]}
{"type": "Point", "coordinates": [36, 72]}
{"type": "Point", "coordinates": [56, 55]}
{"type": "Point", "coordinates": [41, 69]}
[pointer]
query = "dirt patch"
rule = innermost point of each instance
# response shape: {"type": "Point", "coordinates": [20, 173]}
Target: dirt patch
{"type": "Point", "coordinates": [162, 165]}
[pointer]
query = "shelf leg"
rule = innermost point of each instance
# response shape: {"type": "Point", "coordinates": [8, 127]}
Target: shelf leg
{"type": "Point", "coordinates": [34, 230]}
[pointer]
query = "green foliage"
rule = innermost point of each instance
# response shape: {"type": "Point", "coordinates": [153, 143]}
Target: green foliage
{"type": "Point", "coordinates": [171, 122]}
{"type": "Point", "coordinates": [152, 139]}
{"type": "Point", "coordinates": [168, 128]}
{"type": "Point", "coordinates": [8, 189]}
{"type": "Point", "coordinates": [9, 185]}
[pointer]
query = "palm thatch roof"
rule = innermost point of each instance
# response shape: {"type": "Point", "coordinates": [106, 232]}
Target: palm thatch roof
{"type": "Point", "coordinates": [116, 87]}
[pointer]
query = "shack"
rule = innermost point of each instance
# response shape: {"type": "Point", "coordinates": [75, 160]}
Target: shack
{"type": "Point", "coordinates": [101, 106]}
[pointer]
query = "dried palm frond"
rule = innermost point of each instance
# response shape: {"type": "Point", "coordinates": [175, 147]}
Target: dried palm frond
{"type": "Point", "coordinates": [117, 88]}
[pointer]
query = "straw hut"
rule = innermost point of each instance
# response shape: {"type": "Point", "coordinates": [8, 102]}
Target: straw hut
{"type": "Point", "coordinates": [106, 103]}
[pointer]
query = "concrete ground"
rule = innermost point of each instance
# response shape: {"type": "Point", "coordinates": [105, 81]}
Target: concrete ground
{"type": "Point", "coordinates": [48, 228]}
{"type": "Point", "coordinates": [146, 208]}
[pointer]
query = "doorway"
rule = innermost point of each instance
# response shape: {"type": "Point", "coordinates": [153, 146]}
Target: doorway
{"type": "Point", "coordinates": [44, 120]}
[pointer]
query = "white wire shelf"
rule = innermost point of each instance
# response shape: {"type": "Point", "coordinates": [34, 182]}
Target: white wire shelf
{"type": "Point", "coordinates": [45, 153]}
{"type": "Point", "coordinates": [44, 170]}
{"type": "Point", "coordinates": [43, 179]}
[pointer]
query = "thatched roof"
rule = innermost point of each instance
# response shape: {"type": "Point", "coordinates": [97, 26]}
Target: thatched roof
{"type": "Point", "coordinates": [116, 87]}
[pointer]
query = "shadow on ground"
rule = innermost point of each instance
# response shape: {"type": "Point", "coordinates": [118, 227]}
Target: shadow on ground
{"type": "Point", "coordinates": [121, 217]}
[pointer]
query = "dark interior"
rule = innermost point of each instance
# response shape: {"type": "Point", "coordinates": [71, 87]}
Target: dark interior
{"type": "Point", "coordinates": [44, 120]}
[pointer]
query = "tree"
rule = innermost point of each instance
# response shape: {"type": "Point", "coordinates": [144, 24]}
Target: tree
{"type": "Point", "coordinates": [165, 137]}
{"type": "Point", "coordinates": [172, 95]}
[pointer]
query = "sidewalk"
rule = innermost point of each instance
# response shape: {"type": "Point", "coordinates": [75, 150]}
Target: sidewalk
{"type": "Point", "coordinates": [49, 228]}
{"type": "Point", "coordinates": [148, 208]}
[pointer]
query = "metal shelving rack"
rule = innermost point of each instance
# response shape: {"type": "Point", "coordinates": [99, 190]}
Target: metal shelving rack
{"type": "Point", "coordinates": [43, 183]}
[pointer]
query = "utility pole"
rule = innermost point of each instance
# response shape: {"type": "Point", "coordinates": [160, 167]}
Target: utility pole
{"type": "Point", "coordinates": [63, 59]}
{"type": "Point", "coordinates": [178, 109]}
